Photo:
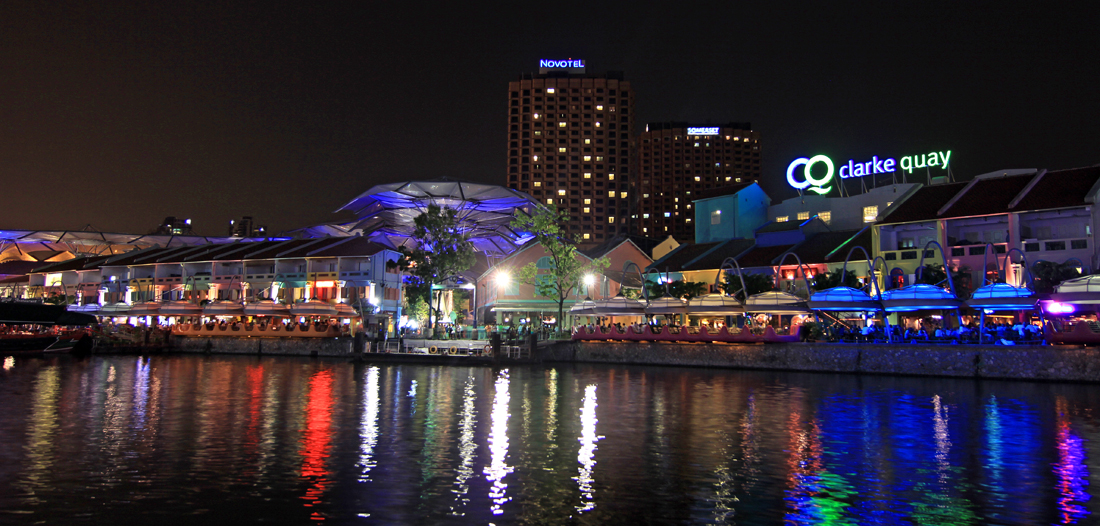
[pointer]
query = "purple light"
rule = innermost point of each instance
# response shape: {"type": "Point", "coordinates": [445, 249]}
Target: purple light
{"type": "Point", "coordinates": [1060, 308]}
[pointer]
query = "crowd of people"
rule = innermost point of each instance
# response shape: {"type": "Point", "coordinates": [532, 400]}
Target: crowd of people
{"type": "Point", "coordinates": [992, 332]}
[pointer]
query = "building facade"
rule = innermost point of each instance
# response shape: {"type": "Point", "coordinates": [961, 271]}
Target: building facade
{"type": "Point", "coordinates": [680, 162]}
{"type": "Point", "coordinates": [569, 144]}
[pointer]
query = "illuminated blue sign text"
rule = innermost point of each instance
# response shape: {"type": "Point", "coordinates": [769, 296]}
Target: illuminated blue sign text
{"type": "Point", "coordinates": [569, 63]}
{"type": "Point", "coordinates": [703, 131]}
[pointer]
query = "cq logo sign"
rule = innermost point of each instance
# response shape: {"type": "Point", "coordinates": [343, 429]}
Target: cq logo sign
{"type": "Point", "coordinates": [817, 185]}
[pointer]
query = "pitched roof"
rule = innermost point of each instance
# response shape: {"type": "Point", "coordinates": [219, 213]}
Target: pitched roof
{"type": "Point", "coordinates": [762, 256]}
{"type": "Point", "coordinates": [830, 247]}
{"type": "Point", "coordinates": [80, 263]}
{"type": "Point", "coordinates": [713, 259]}
{"type": "Point", "coordinates": [986, 196]}
{"type": "Point", "coordinates": [726, 190]}
{"type": "Point", "coordinates": [643, 243]}
{"type": "Point", "coordinates": [1060, 189]}
{"type": "Point", "coordinates": [924, 204]}
{"type": "Point", "coordinates": [682, 255]}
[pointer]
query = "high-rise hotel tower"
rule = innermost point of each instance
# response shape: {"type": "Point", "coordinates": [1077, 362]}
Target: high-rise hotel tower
{"type": "Point", "coordinates": [679, 163]}
{"type": "Point", "coordinates": [569, 143]}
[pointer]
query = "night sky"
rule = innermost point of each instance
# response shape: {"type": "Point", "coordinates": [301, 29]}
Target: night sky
{"type": "Point", "coordinates": [119, 115]}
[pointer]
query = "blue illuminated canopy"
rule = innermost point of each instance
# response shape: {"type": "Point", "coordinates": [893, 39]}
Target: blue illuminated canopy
{"type": "Point", "coordinates": [1002, 296]}
{"type": "Point", "coordinates": [386, 213]}
{"type": "Point", "coordinates": [843, 299]}
{"type": "Point", "coordinates": [919, 297]}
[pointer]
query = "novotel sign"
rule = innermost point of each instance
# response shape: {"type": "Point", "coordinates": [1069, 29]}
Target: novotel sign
{"type": "Point", "coordinates": [704, 131]}
{"type": "Point", "coordinates": [800, 173]}
{"type": "Point", "coordinates": [561, 64]}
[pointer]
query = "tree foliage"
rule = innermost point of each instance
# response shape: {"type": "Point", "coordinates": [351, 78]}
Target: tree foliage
{"type": "Point", "coordinates": [567, 266]}
{"type": "Point", "coordinates": [828, 280]}
{"type": "Point", "coordinates": [443, 250]}
{"type": "Point", "coordinates": [755, 283]}
{"type": "Point", "coordinates": [685, 290]}
{"type": "Point", "coordinates": [1049, 275]}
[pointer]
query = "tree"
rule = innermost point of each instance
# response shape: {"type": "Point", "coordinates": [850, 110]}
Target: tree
{"type": "Point", "coordinates": [931, 274]}
{"type": "Point", "coordinates": [443, 251]}
{"type": "Point", "coordinates": [1049, 275]}
{"type": "Point", "coordinates": [567, 266]}
{"type": "Point", "coordinates": [755, 283]}
{"type": "Point", "coordinates": [828, 280]}
{"type": "Point", "coordinates": [685, 290]}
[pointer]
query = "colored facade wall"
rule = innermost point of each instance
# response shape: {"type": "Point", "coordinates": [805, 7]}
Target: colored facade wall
{"type": "Point", "coordinates": [731, 216]}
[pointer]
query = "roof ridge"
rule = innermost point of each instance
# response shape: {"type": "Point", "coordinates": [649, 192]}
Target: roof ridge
{"type": "Point", "coordinates": [1023, 193]}
{"type": "Point", "coordinates": [958, 195]}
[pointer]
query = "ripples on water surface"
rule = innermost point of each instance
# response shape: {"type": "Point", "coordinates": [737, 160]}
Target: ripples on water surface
{"type": "Point", "coordinates": [189, 439]}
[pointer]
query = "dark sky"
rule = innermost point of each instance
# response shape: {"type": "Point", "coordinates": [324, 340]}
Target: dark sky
{"type": "Point", "coordinates": [118, 114]}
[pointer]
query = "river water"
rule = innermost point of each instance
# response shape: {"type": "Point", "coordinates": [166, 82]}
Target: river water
{"type": "Point", "coordinates": [228, 439]}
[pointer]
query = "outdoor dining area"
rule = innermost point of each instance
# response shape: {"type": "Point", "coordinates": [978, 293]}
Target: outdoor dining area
{"type": "Point", "coordinates": [996, 313]}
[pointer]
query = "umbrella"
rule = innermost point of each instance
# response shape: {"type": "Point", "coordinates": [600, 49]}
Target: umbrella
{"type": "Point", "coordinates": [843, 299]}
{"type": "Point", "coordinates": [266, 308]}
{"type": "Point", "coordinates": [344, 310]}
{"type": "Point", "coordinates": [618, 306]}
{"type": "Point", "coordinates": [180, 308]}
{"type": "Point", "coordinates": [776, 302]}
{"type": "Point", "coordinates": [148, 308]}
{"type": "Point", "coordinates": [223, 308]}
{"type": "Point", "coordinates": [666, 306]}
{"type": "Point", "coordinates": [90, 308]}
{"type": "Point", "coordinates": [583, 308]}
{"type": "Point", "coordinates": [115, 309]}
{"type": "Point", "coordinates": [715, 304]}
{"type": "Point", "coordinates": [313, 308]}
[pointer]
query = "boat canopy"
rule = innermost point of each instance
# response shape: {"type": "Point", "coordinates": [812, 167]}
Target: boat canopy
{"type": "Point", "coordinates": [1083, 290]}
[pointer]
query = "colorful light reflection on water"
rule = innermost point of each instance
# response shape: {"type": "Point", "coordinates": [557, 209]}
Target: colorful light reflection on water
{"type": "Point", "coordinates": [214, 439]}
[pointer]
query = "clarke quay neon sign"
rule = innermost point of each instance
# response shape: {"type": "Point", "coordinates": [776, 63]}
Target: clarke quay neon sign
{"type": "Point", "coordinates": [821, 185]}
{"type": "Point", "coordinates": [561, 64]}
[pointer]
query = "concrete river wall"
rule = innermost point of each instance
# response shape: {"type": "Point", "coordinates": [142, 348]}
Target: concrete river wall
{"type": "Point", "coordinates": [1024, 363]}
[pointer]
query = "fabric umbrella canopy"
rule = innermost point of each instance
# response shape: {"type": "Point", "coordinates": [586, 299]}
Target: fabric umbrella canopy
{"type": "Point", "coordinates": [313, 308]}
{"type": "Point", "coordinates": [618, 306]}
{"type": "Point", "coordinates": [147, 308]}
{"type": "Point", "coordinates": [919, 297]}
{"type": "Point", "coordinates": [223, 308]}
{"type": "Point", "coordinates": [666, 306]}
{"type": "Point", "coordinates": [344, 310]}
{"type": "Point", "coordinates": [115, 309]}
{"type": "Point", "coordinates": [715, 304]}
{"type": "Point", "coordinates": [583, 308]}
{"type": "Point", "coordinates": [91, 308]}
{"type": "Point", "coordinates": [843, 299]}
{"type": "Point", "coordinates": [776, 302]}
{"type": "Point", "coordinates": [266, 308]}
{"type": "Point", "coordinates": [1002, 296]}
{"type": "Point", "coordinates": [180, 308]}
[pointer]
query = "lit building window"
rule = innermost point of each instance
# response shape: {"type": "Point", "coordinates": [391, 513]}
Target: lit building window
{"type": "Point", "coordinates": [610, 193]}
{"type": "Point", "coordinates": [802, 216]}
{"type": "Point", "coordinates": [561, 125]}
{"type": "Point", "coordinates": [668, 214]}
{"type": "Point", "coordinates": [587, 201]}
{"type": "Point", "coordinates": [538, 184]}
{"type": "Point", "coordinates": [644, 230]}
{"type": "Point", "coordinates": [587, 158]}
{"type": "Point", "coordinates": [728, 179]}
{"type": "Point", "coordinates": [675, 199]}
{"type": "Point", "coordinates": [597, 124]}
{"type": "Point", "coordinates": [549, 90]}
{"type": "Point", "coordinates": [599, 159]}
{"type": "Point", "coordinates": [622, 195]}
{"type": "Point", "coordinates": [587, 236]}
{"type": "Point", "coordinates": [826, 216]}
{"type": "Point", "coordinates": [588, 141]}
{"type": "Point", "coordinates": [534, 158]}
{"type": "Point", "coordinates": [587, 175]}
{"type": "Point", "coordinates": [697, 178]}
{"type": "Point", "coordinates": [782, 219]}
{"type": "Point", "coordinates": [587, 210]}
{"type": "Point", "coordinates": [888, 203]}
{"type": "Point", "coordinates": [599, 108]}
{"type": "Point", "coordinates": [689, 207]}
{"type": "Point", "coordinates": [549, 201]}
{"type": "Point", "coordinates": [688, 220]}
{"type": "Point", "coordinates": [610, 177]}
{"type": "Point", "coordinates": [696, 145]}
{"type": "Point", "coordinates": [870, 213]}
{"type": "Point", "coordinates": [738, 180]}
{"type": "Point", "coordinates": [610, 219]}
{"type": "Point", "coordinates": [561, 150]}
{"type": "Point", "coordinates": [536, 116]}
{"type": "Point", "coordinates": [645, 196]}
{"type": "Point", "coordinates": [561, 192]}
{"type": "Point", "coordinates": [645, 216]}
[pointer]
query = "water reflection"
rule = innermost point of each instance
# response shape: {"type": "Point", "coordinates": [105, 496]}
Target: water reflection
{"type": "Point", "coordinates": [587, 453]}
{"type": "Point", "coordinates": [288, 441]}
{"type": "Point", "coordinates": [317, 439]}
{"type": "Point", "coordinates": [498, 466]}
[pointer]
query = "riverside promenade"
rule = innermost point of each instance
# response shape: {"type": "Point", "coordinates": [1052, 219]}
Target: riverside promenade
{"type": "Point", "coordinates": [1053, 363]}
